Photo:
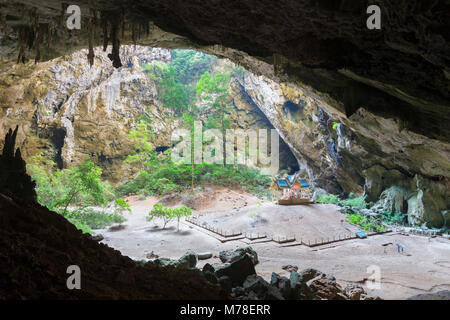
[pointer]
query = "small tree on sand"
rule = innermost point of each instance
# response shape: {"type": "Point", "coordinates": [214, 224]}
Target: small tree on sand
{"type": "Point", "coordinates": [180, 213]}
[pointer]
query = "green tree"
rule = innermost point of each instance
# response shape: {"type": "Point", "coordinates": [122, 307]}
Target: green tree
{"type": "Point", "coordinates": [188, 121]}
{"type": "Point", "coordinates": [142, 136]}
{"type": "Point", "coordinates": [180, 213]}
{"type": "Point", "coordinates": [214, 90]}
{"type": "Point", "coordinates": [84, 179]}
{"type": "Point", "coordinates": [161, 212]}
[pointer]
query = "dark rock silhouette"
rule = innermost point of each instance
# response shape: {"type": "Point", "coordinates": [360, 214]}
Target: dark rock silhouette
{"type": "Point", "coordinates": [13, 174]}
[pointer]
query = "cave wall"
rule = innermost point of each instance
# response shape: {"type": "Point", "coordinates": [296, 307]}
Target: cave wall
{"type": "Point", "coordinates": [322, 45]}
{"type": "Point", "coordinates": [68, 111]}
{"type": "Point", "coordinates": [364, 153]}
{"type": "Point", "coordinates": [388, 89]}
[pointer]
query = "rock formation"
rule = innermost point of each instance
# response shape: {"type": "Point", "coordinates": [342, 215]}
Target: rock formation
{"type": "Point", "coordinates": [13, 174]}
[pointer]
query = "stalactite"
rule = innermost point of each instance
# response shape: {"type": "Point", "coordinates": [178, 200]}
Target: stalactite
{"type": "Point", "coordinates": [38, 39]}
{"type": "Point", "coordinates": [114, 56]}
{"type": "Point", "coordinates": [63, 13]}
{"type": "Point", "coordinates": [105, 30]}
{"type": "Point", "coordinates": [91, 55]}
{"type": "Point", "coordinates": [22, 37]}
{"type": "Point", "coordinates": [123, 23]}
{"type": "Point", "coordinates": [133, 33]}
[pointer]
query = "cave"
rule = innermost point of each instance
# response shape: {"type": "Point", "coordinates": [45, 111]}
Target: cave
{"type": "Point", "coordinates": [361, 114]}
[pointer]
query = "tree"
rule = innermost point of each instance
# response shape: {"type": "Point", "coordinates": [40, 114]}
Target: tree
{"type": "Point", "coordinates": [142, 135]}
{"type": "Point", "coordinates": [172, 93]}
{"type": "Point", "coordinates": [159, 211]}
{"type": "Point", "coordinates": [84, 179]}
{"type": "Point", "coordinates": [180, 213]}
{"type": "Point", "coordinates": [188, 121]}
{"type": "Point", "coordinates": [214, 90]}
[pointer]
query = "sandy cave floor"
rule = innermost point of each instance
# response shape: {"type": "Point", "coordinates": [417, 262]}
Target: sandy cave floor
{"type": "Point", "coordinates": [423, 267]}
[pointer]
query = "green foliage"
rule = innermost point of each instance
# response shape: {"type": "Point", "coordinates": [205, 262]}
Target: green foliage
{"type": "Point", "coordinates": [92, 218]}
{"type": "Point", "coordinates": [394, 217]}
{"type": "Point", "coordinates": [335, 125]}
{"type": "Point", "coordinates": [76, 186]}
{"type": "Point", "coordinates": [79, 185]}
{"type": "Point", "coordinates": [366, 223]}
{"type": "Point", "coordinates": [191, 64]}
{"type": "Point", "coordinates": [328, 198]}
{"type": "Point", "coordinates": [80, 225]}
{"type": "Point", "coordinates": [120, 206]}
{"type": "Point", "coordinates": [169, 177]}
{"type": "Point", "coordinates": [167, 214]}
{"type": "Point", "coordinates": [238, 73]}
{"type": "Point", "coordinates": [359, 202]}
{"type": "Point", "coordinates": [175, 81]}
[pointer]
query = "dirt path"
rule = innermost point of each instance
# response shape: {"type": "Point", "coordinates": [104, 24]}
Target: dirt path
{"type": "Point", "coordinates": [423, 267]}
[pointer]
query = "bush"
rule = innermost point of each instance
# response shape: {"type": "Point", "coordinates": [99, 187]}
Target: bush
{"type": "Point", "coordinates": [170, 177]}
{"type": "Point", "coordinates": [366, 223]}
{"type": "Point", "coordinates": [394, 218]}
{"type": "Point", "coordinates": [120, 206]}
{"type": "Point", "coordinates": [328, 198]}
{"type": "Point", "coordinates": [92, 218]}
{"type": "Point", "coordinates": [76, 186]}
{"type": "Point", "coordinates": [359, 202]}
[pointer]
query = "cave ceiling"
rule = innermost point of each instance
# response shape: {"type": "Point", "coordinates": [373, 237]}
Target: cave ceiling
{"type": "Point", "coordinates": [401, 71]}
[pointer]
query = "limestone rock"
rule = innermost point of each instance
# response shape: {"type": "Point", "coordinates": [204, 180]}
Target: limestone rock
{"type": "Point", "coordinates": [238, 270]}
{"type": "Point", "coordinates": [354, 291]}
{"type": "Point", "coordinates": [13, 175]}
{"type": "Point", "coordinates": [204, 255]}
{"type": "Point", "coordinates": [235, 254]}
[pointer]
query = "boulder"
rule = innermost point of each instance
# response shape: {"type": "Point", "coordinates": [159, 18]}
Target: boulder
{"type": "Point", "coordinates": [238, 270]}
{"type": "Point", "coordinates": [164, 262]}
{"type": "Point", "coordinates": [226, 284]}
{"type": "Point", "coordinates": [283, 284]}
{"type": "Point", "coordinates": [98, 237]}
{"type": "Point", "coordinates": [354, 291]}
{"type": "Point", "coordinates": [310, 273]}
{"type": "Point", "coordinates": [204, 255]}
{"type": "Point", "coordinates": [289, 268]}
{"type": "Point", "coordinates": [261, 288]}
{"type": "Point", "coordinates": [188, 260]}
{"type": "Point", "coordinates": [207, 267]}
{"type": "Point", "coordinates": [322, 288]}
{"type": "Point", "coordinates": [233, 255]}
{"type": "Point", "coordinates": [210, 276]}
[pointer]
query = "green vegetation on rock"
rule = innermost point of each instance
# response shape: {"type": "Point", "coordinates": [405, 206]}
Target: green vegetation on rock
{"type": "Point", "coordinates": [368, 224]}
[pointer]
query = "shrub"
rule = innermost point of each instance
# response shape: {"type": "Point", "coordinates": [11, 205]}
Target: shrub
{"type": "Point", "coordinates": [394, 218]}
{"type": "Point", "coordinates": [366, 223]}
{"type": "Point", "coordinates": [92, 218]}
{"type": "Point", "coordinates": [359, 202]}
{"type": "Point", "coordinates": [120, 206]}
{"type": "Point", "coordinates": [328, 198]}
